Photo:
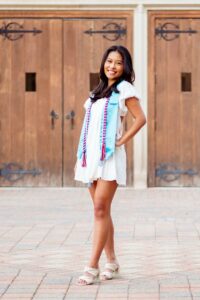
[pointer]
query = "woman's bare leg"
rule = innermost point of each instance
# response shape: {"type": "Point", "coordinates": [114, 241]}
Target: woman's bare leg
{"type": "Point", "coordinates": [102, 200]}
{"type": "Point", "coordinates": [109, 246]}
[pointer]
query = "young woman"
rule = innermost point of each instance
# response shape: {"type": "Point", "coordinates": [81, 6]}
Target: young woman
{"type": "Point", "coordinates": [101, 161]}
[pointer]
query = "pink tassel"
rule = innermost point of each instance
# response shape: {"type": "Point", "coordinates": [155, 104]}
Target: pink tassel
{"type": "Point", "coordinates": [103, 152]}
{"type": "Point", "coordinates": [84, 160]}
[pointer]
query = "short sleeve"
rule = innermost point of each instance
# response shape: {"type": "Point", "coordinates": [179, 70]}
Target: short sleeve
{"type": "Point", "coordinates": [127, 90]}
{"type": "Point", "coordinates": [86, 104]}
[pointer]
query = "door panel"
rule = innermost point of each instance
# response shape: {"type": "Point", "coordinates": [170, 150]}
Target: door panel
{"type": "Point", "coordinates": [44, 78]}
{"type": "Point", "coordinates": [177, 104]}
{"type": "Point", "coordinates": [31, 150]}
{"type": "Point", "coordinates": [83, 51]}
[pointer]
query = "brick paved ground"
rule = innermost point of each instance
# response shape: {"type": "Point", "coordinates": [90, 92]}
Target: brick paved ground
{"type": "Point", "coordinates": [45, 240]}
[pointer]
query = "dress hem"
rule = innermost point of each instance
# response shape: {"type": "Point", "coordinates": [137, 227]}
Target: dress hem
{"type": "Point", "coordinates": [90, 182]}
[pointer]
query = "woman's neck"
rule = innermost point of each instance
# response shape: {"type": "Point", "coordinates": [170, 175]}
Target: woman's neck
{"type": "Point", "coordinates": [110, 82]}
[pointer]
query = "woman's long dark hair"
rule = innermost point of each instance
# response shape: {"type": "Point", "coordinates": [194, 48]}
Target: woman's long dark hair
{"type": "Point", "coordinates": [103, 90]}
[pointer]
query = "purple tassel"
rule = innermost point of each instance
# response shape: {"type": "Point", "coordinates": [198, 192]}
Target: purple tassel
{"type": "Point", "coordinates": [84, 164]}
{"type": "Point", "coordinates": [103, 152]}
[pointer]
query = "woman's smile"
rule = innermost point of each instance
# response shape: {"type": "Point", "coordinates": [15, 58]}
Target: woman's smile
{"type": "Point", "coordinates": [111, 72]}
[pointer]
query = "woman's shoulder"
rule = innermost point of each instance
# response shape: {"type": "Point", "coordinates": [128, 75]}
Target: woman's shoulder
{"type": "Point", "coordinates": [87, 103]}
{"type": "Point", "coordinates": [127, 90]}
{"type": "Point", "coordinates": [125, 85]}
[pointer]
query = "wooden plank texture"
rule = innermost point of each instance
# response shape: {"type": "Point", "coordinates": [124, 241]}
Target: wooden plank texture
{"type": "Point", "coordinates": [175, 138]}
{"type": "Point", "coordinates": [62, 57]}
{"type": "Point", "coordinates": [27, 134]}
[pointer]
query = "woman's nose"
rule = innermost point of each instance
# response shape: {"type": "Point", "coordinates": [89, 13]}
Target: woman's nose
{"type": "Point", "coordinates": [112, 65]}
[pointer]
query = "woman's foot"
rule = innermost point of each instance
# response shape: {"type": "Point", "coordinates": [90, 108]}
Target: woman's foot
{"type": "Point", "coordinates": [89, 277]}
{"type": "Point", "coordinates": [111, 269]}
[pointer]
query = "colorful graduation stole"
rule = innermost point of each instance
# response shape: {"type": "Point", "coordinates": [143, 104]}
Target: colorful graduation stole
{"type": "Point", "coordinates": [108, 130]}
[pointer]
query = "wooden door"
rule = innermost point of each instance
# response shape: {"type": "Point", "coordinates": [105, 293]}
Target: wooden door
{"type": "Point", "coordinates": [31, 103]}
{"type": "Point", "coordinates": [85, 41]}
{"type": "Point", "coordinates": [177, 103]}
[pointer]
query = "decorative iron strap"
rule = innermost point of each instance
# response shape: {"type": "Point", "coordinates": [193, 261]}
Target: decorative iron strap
{"type": "Point", "coordinates": [170, 31]}
{"type": "Point", "coordinates": [170, 172]}
{"type": "Point", "coordinates": [14, 31]}
{"type": "Point", "coordinates": [13, 172]}
{"type": "Point", "coordinates": [110, 31]}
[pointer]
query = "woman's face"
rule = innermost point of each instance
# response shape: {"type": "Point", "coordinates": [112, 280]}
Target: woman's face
{"type": "Point", "coordinates": [113, 67]}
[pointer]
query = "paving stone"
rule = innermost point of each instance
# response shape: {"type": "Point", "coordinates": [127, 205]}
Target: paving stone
{"type": "Point", "coordinates": [46, 243]}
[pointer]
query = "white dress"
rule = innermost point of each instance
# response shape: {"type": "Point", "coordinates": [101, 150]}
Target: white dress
{"type": "Point", "coordinates": [113, 168]}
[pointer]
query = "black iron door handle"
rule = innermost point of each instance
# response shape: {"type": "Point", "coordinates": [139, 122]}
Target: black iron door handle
{"type": "Point", "coordinates": [54, 116]}
{"type": "Point", "coordinates": [70, 116]}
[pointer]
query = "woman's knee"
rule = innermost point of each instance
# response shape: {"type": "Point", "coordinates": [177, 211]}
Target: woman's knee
{"type": "Point", "coordinates": [100, 210]}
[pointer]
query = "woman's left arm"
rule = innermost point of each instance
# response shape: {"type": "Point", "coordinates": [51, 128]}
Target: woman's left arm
{"type": "Point", "coordinates": [136, 111]}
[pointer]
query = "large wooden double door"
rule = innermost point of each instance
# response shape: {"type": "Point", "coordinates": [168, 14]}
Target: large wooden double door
{"type": "Point", "coordinates": [47, 68]}
{"type": "Point", "coordinates": [174, 99]}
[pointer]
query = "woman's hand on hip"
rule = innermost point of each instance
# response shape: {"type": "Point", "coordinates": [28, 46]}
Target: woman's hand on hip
{"type": "Point", "coordinates": [118, 143]}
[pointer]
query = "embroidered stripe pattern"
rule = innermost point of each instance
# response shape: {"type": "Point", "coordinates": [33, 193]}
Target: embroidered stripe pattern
{"type": "Point", "coordinates": [103, 149]}
{"type": "Point", "coordinates": [84, 164]}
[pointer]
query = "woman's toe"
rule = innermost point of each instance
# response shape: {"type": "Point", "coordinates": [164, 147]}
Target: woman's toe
{"type": "Point", "coordinates": [81, 282]}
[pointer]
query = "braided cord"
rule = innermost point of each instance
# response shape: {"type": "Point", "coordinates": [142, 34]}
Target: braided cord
{"type": "Point", "coordinates": [103, 146]}
{"type": "Point", "coordinates": [84, 163]}
{"type": "Point", "coordinates": [103, 149]}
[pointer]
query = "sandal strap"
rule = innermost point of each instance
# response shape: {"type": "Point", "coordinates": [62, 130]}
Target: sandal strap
{"type": "Point", "coordinates": [88, 279]}
{"type": "Point", "coordinates": [90, 275]}
{"type": "Point", "coordinates": [112, 267]}
{"type": "Point", "coordinates": [93, 271]}
{"type": "Point", "coordinates": [107, 274]}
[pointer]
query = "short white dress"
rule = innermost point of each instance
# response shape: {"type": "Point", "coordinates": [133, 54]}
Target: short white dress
{"type": "Point", "coordinates": [114, 168]}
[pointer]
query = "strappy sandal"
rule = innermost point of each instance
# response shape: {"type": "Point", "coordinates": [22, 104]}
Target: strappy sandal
{"type": "Point", "coordinates": [111, 269]}
{"type": "Point", "coordinates": [90, 276]}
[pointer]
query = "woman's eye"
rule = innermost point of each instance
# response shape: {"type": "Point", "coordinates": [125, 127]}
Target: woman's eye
{"type": "Point", "coordinates": [116, 63]}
